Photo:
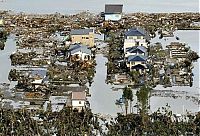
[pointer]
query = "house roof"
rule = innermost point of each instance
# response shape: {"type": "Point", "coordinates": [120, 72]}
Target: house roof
{"type": "Point", "coordinates": [137, 58]}
{"type": "Point", "coordinates": [136, 49]}
{"type": "Point", "coordinates": [74, 46]}
{"type": "Point", "coordinates": [135, 32]}
{"type": "Point", "coordinates": [79, 95]}
{"type": "Point", "coordinates": [81, 31]}
{"type": "Point", "coordinates": [78, 47]}
{"type": "Point", "coordinates": [113, 8]}
{"type": "Point", "coordinates": [138, 66]}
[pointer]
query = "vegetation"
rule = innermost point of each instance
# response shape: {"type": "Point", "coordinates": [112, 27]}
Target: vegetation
{"type": "Point", "coordinates": [66, 122]}
{"type": "Point", "coordinates": [128, 96]}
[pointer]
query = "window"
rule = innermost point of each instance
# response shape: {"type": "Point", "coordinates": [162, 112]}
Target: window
{"type": "Point", "coordinates": [79, 102]}
{"type": "Point", "coordinates": [87, 37]}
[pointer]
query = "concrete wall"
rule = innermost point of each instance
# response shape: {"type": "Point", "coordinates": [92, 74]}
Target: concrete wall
{"type": "Point", "coordinates": [113, 17]}
{"type": "Point", "coordinates": [84, 39]}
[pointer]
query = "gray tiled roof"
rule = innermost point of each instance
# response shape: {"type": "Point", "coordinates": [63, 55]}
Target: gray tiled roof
{"type": "Point", "coordinates": [136, 49]}
{"type": "Point", "coordinates": [137, 58]}
{"type": "Point", "coordinates": [81, 31]}
{"type": "Point", "coordinates": [77, 47]}
{"type": "Point", "coordinates": [113, 8]}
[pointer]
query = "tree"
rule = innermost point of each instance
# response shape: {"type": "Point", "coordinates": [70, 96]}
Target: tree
{"type": "Point", "coordinates": [142, 97]}
{"type": "Point", "coordinates": [128, 96]}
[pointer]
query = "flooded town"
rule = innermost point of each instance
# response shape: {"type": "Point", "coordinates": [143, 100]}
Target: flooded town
{"type": "Point", "coordinates": [108, 73]}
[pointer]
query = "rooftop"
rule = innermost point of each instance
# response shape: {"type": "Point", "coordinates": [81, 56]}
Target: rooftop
{"type": "Point", "coordinates": [135, 32]}
{"type": "Point", "coordinates": [137, 58]}
{"type": "Point", "coordinates": [81, 31]}
{"type": "Point", "coordinates": [136, 49]}
{"type": "Point", "coordinates": [78, 47]}
{"type": "Point", "coordinates": [81, 95]}
{"type": "Point", "coordinates": [113, 8]}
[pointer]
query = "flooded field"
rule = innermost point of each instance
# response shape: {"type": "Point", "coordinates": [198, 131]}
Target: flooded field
{"type": "Point", "coordinates": [179, 105]}
{"type": "Point", "coordinates": [103, 98]}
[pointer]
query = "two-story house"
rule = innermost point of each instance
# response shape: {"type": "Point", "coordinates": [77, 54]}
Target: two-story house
{"type": "Point", "coordinates": [135, 37]}
{"type": "Point", "coordinates": [83, 36]}
{"type": "Point", "coordinates": [135, 48]}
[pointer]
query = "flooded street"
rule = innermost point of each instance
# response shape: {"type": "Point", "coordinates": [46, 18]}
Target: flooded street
{"type": "Point", "coordinates": [102, 97]}
{"type": "Point", "coordinates": [5, 62]}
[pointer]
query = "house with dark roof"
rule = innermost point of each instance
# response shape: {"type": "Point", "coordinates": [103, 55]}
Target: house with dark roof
{"type": "Point", "coordinates": [83, 36]}
{"type": "Point", "coordinates": [135, 37]}
{"type": "Point", "coordinates": [136, 62]}
{"type": "Point", "coordinates": [113, 12]}
{"type": "Point", "coordinates": [136, 50]}
{"type": "Point", "coordinates": [79, 52]}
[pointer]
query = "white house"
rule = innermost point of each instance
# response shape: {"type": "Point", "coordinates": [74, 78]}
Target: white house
{"type": "Point", "coordinates": [80, 52]}
{"type": "Point", "coordinates": [78, 100]}
{"type": "Point", "coordinates": [135, 37]}
{"type": "Point", "coordinates": [113, 12]}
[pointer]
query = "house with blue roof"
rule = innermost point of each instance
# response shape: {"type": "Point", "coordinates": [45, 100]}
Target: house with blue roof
{"type": "Point", "coordinates": [135, 50]}
{"type": "Point", "coordinates": [79, 52]}
{"type": "Point", "coordinates": [137, 62]}
{"type": "Point", "coordinates": [135, 37]}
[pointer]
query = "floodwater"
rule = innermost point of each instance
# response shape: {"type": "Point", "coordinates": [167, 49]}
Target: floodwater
{"type": "Point", "coordinates": [5, 62]}
{"type": "Point", "coordinates": [102, 97]}
{"type": "Point", "coordinates": [180, 105]}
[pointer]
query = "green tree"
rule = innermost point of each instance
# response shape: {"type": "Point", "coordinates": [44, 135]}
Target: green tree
{"type": "Point", "coordinates": [128, 96]}
{"type": "Point", "coordinates": [143, 97]}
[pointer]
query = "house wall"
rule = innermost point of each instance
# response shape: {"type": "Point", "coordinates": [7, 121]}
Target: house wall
{"type": "Point", "coordinates": [82, 55]}
{"type": "Point", "coordinates": [127, 54]}
{"type": "Point", "coordinates": [132, 42]}
{"type": "Point", "coordinates": [130, 64]}
{"type": "Point", "coordinates": [84, 39]}
{"type": "Point", "coordinates": [75, 103]}
{"type": "Point", "coordinates": [1, 22]}
{"type": "Point", "coordinates": [135, 37]}
{"type": "Point", "coordinates": [113, 17]}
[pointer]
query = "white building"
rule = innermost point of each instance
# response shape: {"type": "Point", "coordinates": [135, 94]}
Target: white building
{"type": "Point", "coordinates": [113, 12]}
{"type": "Point", "coordinates": [78, 100]}
{"type": "Point", "coordinates": [80, 52]}
{"type": "Point", "coordinates": [135, 37]}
